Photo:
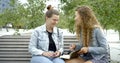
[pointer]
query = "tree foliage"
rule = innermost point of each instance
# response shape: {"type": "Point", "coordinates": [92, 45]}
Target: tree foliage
{"type": "Point", "coordinates": [35, 13]}
{"type": "Point", "coordinates": [107, 12]}
{"type": "Point", "coordinates": [28, 15]}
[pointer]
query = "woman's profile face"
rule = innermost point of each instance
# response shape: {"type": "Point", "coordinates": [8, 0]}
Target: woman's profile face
{"type": "Point", "coordinates": [77, 18]}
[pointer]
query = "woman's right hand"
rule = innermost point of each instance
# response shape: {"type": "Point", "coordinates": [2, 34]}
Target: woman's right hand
{"type": "Point", "coordinates": [72, 47]}
{"type": "Point", "coordinates": [48, 54]}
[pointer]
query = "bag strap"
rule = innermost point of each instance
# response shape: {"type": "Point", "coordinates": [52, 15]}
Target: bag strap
{"type": "Point", "coordinates": [58, 32]}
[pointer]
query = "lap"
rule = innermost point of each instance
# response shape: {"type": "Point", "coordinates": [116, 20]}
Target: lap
{"type": "Point", "coordinates": [100, 61]}
{"type": "Point", "coordinates": [40, 59]}
{"type": "Point", "coordinates": [75, 60]}
{"type": "Point", "coordinates": [43, 59]}
{"type": "Point", "coordinates": [81, 60]}
{"type": "Point", "coordinates": [58, 60]}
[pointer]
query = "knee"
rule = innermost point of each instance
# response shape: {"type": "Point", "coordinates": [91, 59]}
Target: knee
{"type": "Point", "coordinates": [88, 62]}
{"type": "Point", "coordinates": [75, 60]}
{"type": "Point", "coordinates": [40, 59]}
{"type": "Point", "coordinates": [35, 60]}
{"type": "Point", "coordinates": [58, 60]}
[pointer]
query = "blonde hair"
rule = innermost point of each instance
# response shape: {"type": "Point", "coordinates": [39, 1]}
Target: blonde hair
{"type": "Point", "coordinates": [87, 24]}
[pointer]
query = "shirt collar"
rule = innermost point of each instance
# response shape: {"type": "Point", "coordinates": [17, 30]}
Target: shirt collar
{"type": "Point", "coordinates": [54, 29]}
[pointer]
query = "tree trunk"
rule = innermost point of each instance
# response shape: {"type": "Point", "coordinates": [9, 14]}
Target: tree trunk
{"type": "Point", "coordinates": [119, 34]}
{"type": "Point", "coordinates": [0, 28]}
{"type": "Point", "coordinates": [7, 29]}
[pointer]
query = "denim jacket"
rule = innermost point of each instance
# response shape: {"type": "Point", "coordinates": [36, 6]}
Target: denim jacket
{"type": "Point", "coordinates": [39, 41]}
{"type": "Point", "coordinates": [98, 47]}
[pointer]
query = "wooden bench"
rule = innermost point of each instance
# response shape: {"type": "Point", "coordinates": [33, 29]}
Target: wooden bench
{"type": "Point", "coordinates": [14, 49]}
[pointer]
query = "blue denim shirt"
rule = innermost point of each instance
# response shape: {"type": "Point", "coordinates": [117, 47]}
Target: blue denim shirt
{"type": "Point", "coordinates": [98, 47]}
{"type": "Point", "coordinates": [39, 41]}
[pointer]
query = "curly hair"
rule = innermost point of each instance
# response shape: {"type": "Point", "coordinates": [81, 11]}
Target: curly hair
{"type": "Point", "coordinates": [87, 24]}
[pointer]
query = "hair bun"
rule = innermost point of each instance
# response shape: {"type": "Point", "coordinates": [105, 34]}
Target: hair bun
{"type": "Point", "coordinates": [49, 7]}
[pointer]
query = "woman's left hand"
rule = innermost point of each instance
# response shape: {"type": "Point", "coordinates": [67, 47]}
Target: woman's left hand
{"type": "Point", "coordinates": [83, 50]}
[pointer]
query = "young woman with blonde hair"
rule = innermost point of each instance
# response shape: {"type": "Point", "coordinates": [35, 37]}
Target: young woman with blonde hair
{"type": "Point", "coordinates": [93, 47]}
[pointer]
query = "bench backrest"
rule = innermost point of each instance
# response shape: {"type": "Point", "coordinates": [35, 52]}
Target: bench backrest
{"type": "Point", "coordinates": [14, 49]}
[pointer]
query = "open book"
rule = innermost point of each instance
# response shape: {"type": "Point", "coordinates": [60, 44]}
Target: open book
{"type": "Point", "coordinates": [71, 55]}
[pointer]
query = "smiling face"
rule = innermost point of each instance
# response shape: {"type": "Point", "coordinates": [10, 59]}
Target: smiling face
{"type": "Point", "coordinates": [52, 21]}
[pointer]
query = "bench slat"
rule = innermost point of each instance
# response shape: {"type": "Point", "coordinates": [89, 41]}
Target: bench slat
{"type": "Point", "coordinates": [14, 49]}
